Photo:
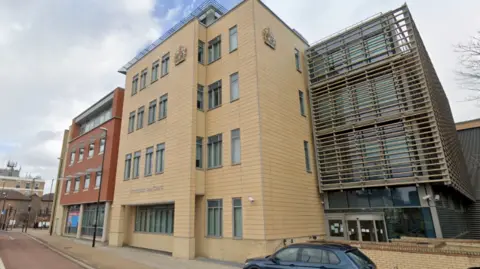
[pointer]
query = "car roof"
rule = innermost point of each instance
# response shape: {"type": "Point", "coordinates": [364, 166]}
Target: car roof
{"type": "Point", "coordinates": [325, 245]}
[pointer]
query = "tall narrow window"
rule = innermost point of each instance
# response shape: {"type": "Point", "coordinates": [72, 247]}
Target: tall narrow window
{"type": "Point", "coordinates": [165, 62]}
{"type": "Point", "coordinates": [128, 166]}
{"type": "Point", "coordinates": [101, 146]}
{"type": "Point", "coordinates": [215, 94]}
{"type": "Point", "coordinates": [201, 52]}
{"type": "Point", "coordinates": [200, 97]}
{"type": "Point", "coordinates": [215, 217]}
{"type": "Point", "coordinates": [80, 154]}
{"type": "Point", "coordinates": [152, 107]}
{"type": "Point", "coordinates": [76, 187]}
{"type": "Point", "coordinates": [235, 146]}
{"type": "Point", "coordinates": [143, 79]}
{"type": "Point", "coordinates": [297, 60]}
{"type": "Point", "coordinates": [214, 49]}
{"type": "Point", "coordinates": [199, 153]}
{"type": "Point", "coordinates": [136, 164]}
{"type": "Point", "coordinates": [68, 186]}
{"type": "Point", "coordinates": [160, 158]}
{"type": "Point", "coordinates": [72, 157]}
{"type": "Point", "coordinates": [162, 107]}
{"type": "Point", "coordinates": [140, 113]}
{"type": "Point", "coordinates": [215, 151]}
{"type": "Point", "coordinates": [237, 217]}
{"type": "Point", "coordinates": [131, 122]}
{"type": "Point", "coordinates": [148, 161]}
{"type": "Point", "coordinates": [234, 87]}
{"type": "Point", "coordinates": [86, 184]}
{"type": "Point", "coordinates": [307, 156]}
{"type": "Point", "coordinates": [155, 66]}
{"type": "Point", "coordinates": [91, 149]}
{"type": "Point", "coordinates": [233, 38]}
{"type": "Point", "coordinates": [302, 103]}
{"type": "Point", "coordinates": [98, 179]}
{"type": "Point", "coordinates": [135, 84]}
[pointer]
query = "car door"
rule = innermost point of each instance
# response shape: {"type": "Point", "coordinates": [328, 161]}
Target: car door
{"type": "Point", "coordinates": [286, 258]}
{"type": "Point", "coordinates": [318, 258]}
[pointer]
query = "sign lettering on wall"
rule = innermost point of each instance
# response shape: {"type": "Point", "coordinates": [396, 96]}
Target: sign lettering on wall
{"type": "Point", "coordinates": [149, 189]}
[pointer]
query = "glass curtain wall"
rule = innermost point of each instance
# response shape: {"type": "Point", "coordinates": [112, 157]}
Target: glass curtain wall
{"type": "Point", "coordinates": [88, 219]}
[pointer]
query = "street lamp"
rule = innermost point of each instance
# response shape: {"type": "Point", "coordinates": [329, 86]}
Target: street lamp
{"type": "Point", "coordinates": [100, 187]}
{"type": "Point", "coordinates": [28, 218]}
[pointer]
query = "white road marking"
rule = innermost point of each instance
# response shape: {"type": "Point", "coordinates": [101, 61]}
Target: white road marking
{"type": "Point", "coordinates": [2, 266]}
{"type": "Point", "coordinates": [11, 238]}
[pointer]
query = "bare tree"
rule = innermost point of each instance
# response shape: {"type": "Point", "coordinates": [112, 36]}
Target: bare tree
{"type": "Point", "coordinates": [469, 60]}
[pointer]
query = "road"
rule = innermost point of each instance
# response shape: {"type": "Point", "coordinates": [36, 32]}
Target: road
{"type": "Point", "coordinates": [18, 251]}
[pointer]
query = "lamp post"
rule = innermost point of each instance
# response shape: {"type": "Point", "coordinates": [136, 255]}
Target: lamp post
{"type": "Point", "coordinates": [100, 187]}
{"type": "Point", "coordinates": [28, 218]}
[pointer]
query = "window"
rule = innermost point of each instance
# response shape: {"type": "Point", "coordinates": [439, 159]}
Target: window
{"type": "Point", "coordinates": [128, 166]}
{"type": "Point", "coordinates": [160, 158]}
{"type": "Point", "coordinates": [302, 103]}
{"type": "Point", "coordinates": [317, 255]}
{"type": "Point", "coordinates": [297, 60]}
{"type": "Point", "coordinates": [165, 61]}
{"type": "Point", "coordinates": [201, 52]}
{"type": "Point", "coordinates": [148, 161]}
{"type": "Point", "coordinates": [17, 185]}
{"type": "Point", "coordinates": [359, 258]}
{"type": "Point", "coordinates": [96, 120]}
{"type": "Point", "coordinates": [215, 218]}
{"type": "Point", "coordinates": [76, 187]}
{"type": "Point", "coordinates": [143, 79]}
{"type": "Point", "coordinates": [215, 151]}
{"type": "Point", "coordinates": [152, 107]}
{"type": "Point", "coordinates": [235, 146]}
{"type": "Point", "coordinates": [215, 94]}
{"type": "Point", "coordinates": [80, 154]}
{"type": "Point", "coordinates": [214, 49]}
{"type": "Point", "coordinates": [91, 149]}
{"type": "Point", "coordinates": [135, 84]}
{"type": "Point", "coordinates": [86, 184]}
{"type": "Point", "coordinates": [307, 156]}
{"type": "Point", "coordinates": [233, 38]}
{"type": "Point", "coordinates": [27, 185]}
{"type": "Point", "coordinates": [68, 186]}
{"type": "Point", "coordinates": [162, 107]}
{"type": "Point", "coordinates": [72, 157]}
{"type": "Point", "coordinates": [101, 147]}
{"type": "Point", "coordinates": [155, 66]}
{"type": "Point", "coordinates": [199, 153]}
{"type": "Point", "coordinates": [131, 122]}
{"type": "Point", "coordinates": [234, 89]}
{"type": "Point", "coordinates": [287, 255]}
{"type": "Point", "coordinates": [200, 97]}
{"type": "Point", "coordinates": [136, 164]}
{"type": "Point", "coordinates": [237, 217]}
{"type": "Point", "coordinates": [140, 117]}
{"type": "Point", "coordinates": [155, 219]}
{"type": "Point", "coordinates": [98, 179]}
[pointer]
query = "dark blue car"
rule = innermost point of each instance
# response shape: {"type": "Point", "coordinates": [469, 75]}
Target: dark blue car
{"type": "Point", "coordinates": [313, 255]}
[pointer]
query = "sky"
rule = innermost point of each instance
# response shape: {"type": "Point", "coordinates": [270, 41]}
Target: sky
{"type": "Point", "coordinates": [60, 56]}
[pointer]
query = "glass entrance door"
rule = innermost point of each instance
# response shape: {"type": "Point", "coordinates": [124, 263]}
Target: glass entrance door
{"type": "Point", "coordinates": [369, 227]}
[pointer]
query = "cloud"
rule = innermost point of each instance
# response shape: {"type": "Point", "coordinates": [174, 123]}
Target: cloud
{"type": "Point", "coordinates": [58, 58]}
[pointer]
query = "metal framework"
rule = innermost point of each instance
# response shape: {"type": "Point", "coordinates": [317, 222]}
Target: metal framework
{"type": "Point", "coordinates": [380, 114]}
{"type": "Point", "coordinates": [195, 14]}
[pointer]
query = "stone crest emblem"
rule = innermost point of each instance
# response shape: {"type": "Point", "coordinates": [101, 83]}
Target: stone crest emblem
{"type": "Point", "coordinates": [180, 55]}
{"type": "Point", "coordinates": [269, 38]}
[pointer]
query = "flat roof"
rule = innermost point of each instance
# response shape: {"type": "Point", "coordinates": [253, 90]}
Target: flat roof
{"type": "Point", "coordinates": [469, 124]}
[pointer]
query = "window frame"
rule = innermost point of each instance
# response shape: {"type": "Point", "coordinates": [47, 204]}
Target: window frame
{"type": "Point", "coordinates": [147, 171]}
{"type": "Point", "coordinates": [81, 154]}
{"type": "Point", "coordinates": [201, 52]}
{"type": "Point", "coordinates": [72, 157]}
{"type": "Point", "coordinates": [160, 167]}
{"type": "Point", "coordinates": [219, 221]}
{"type": "Point", "coordinates": [235, 135]}
{"type": "Point", "coordinates": [162, 216]}
{"type": "Point", "coordinates": [85, 186]}
{"type": "Point", "coordinates": [101, 145]}
{"type": "Point", "coordinates": [155, 66]}
{"type": "Point", "coordinates": [200, 92]}
{"type": "Point", "coordinates": [165, 63]}
{"type": "Point", "coordinates": [131, 122]}
{"type": "Point", "coordinates": [306, 149]}
{"type": "Point", "coordinates": [68, 186]}
{"type": "Point", "coordinates": [215, 89]}
{"type": "Point", "coordinates": [233, 33]}
{"type": "Point", "coordinates": [91, 150]}
{"type": "Point", "coordinates": [140, 116]}
{"type": "Point", "coordinates": [143, 79]}
{"type": "Point", "coordinates": [234, 232]}
{"type": "Point", "coordinates": [76, 185]}
{"type": "Point", "coordinates": [235, 77]}
{"type": "Point", "coordinates": [152, 111]}
{"type": "Point", "coordinates": [199, 152]}
{"type": "Point", "coordinates": [98, 179]}
{"type": "Point", "coordinates": [134, 84]}
{"type": "Point", "coordinates": [127, 173]}
{"type": "Point", "coordinates": [212, 44]}
{"type": "Point", "coordinates": [219, 140]}
{"type": "Point", "coordinates": [136, 161]}
{"type": "Point", "coordinates": [298, 63]}
{"type": "Point", "coordinates": [162, 107]}
{"type": "Point", "coordinates": [301, 99]}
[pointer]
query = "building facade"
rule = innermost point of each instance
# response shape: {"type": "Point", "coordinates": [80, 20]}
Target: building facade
{"type": "Point", "coordinates": [215, 155]}
{"type": "Point", "coordinates": [26, 186]}
{"type": "Point", "coordinates": [90, 167]}
{"type": "Point", "coordinates": [469, 135]}
{"type": "Point", "coordinates": [389, 162]}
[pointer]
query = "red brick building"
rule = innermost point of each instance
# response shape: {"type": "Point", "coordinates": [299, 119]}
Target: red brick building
{"type": "Point", "coordinates": [94, 137]}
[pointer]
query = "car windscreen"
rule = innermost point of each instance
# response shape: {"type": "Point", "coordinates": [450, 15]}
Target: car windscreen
{"type": "Point", "coordinates": [359, 258]}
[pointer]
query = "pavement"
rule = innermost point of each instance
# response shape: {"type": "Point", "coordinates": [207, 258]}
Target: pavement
{"type": "Point", "coordinates": [102, 256]}
{"type": "Point", "coordinates": [19, 251]}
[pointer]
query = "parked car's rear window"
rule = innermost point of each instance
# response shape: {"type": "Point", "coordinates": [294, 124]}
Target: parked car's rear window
{"type": "Point", "coordinates": [359, 258]}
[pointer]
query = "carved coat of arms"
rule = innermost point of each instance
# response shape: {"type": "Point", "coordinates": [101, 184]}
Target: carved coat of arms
{"type": "Point", "coordinates": [180, 55]}
{"type": "Point", "coordinates": [269, 38]}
